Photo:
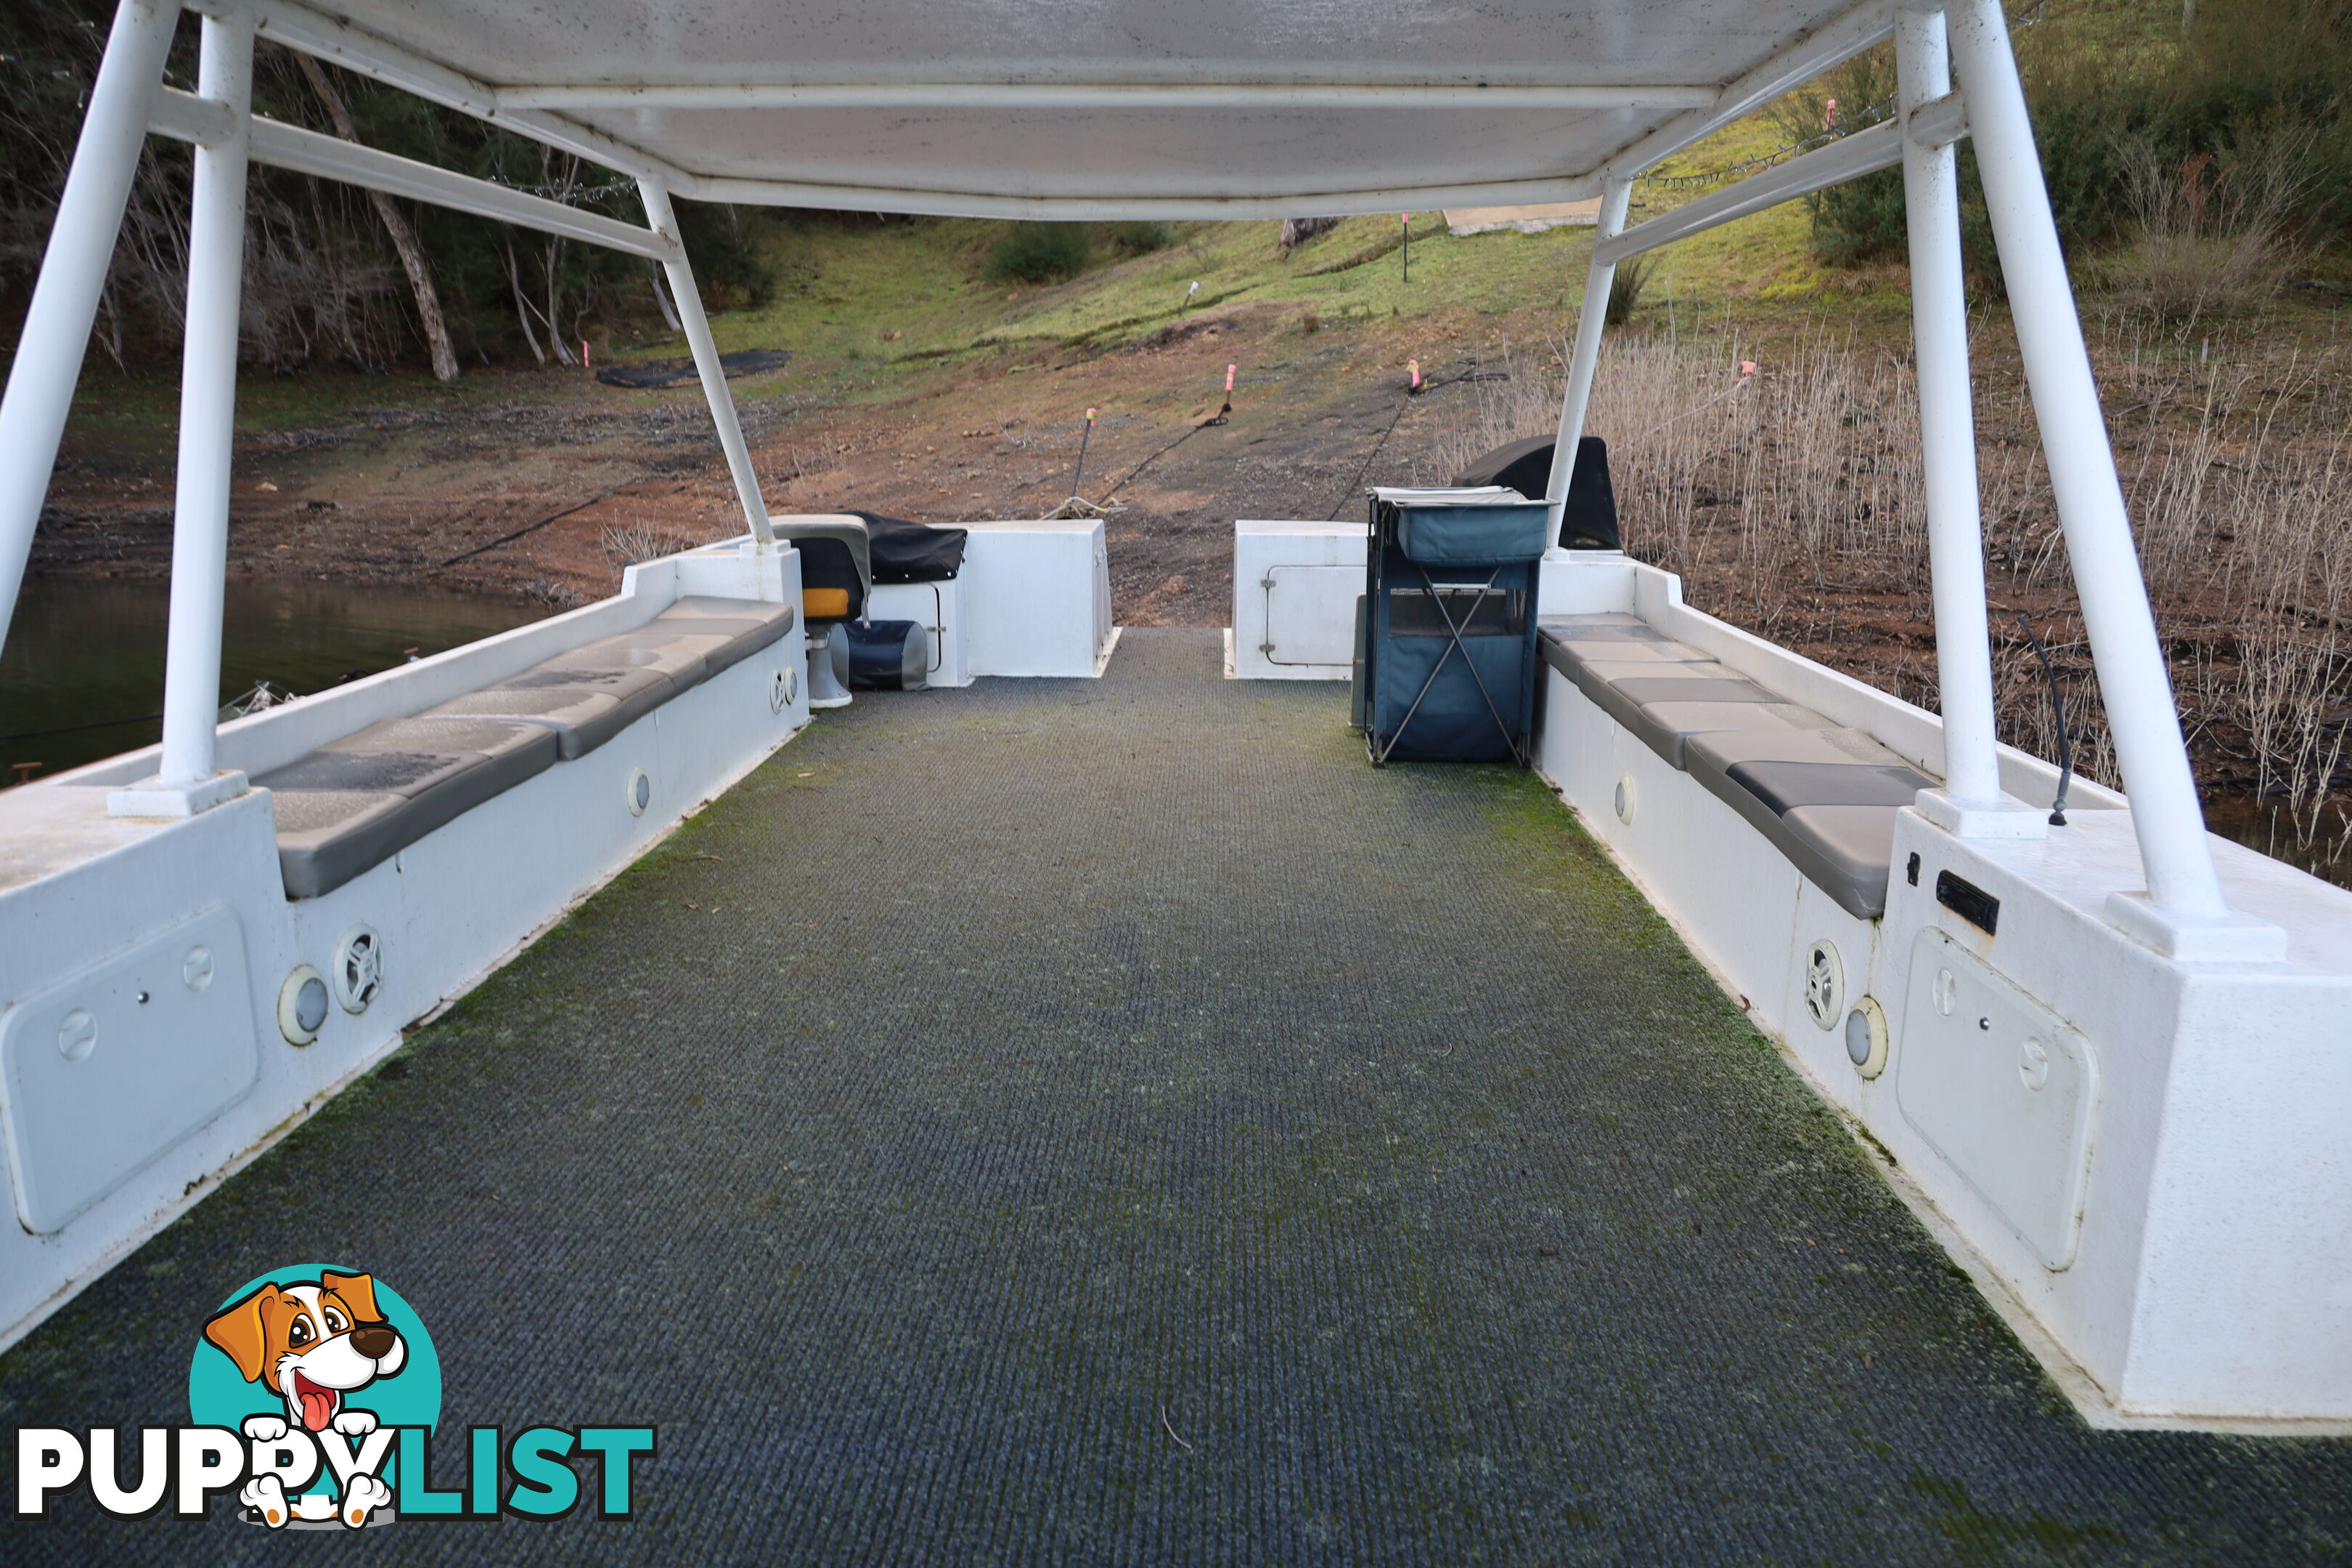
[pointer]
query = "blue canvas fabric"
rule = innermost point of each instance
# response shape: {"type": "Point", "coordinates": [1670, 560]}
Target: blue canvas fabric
{"type": "Point", "coordinates": [1450, 632]}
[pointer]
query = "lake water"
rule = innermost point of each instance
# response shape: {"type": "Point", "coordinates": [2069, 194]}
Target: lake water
{"type": "Point", "coordinates": [83, 672]}
{"type": "Point", "coordinates": [2324, 849]}
{"type": "Point", "coordinates": [82, 675]}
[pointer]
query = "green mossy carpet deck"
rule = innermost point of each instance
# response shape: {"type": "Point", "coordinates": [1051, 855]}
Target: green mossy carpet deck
{"type": "Point", "coordinates": [1107, 1122]}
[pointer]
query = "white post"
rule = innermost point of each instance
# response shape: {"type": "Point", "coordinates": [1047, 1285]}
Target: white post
{"type": "Point", "coordinates": [208, 412]}
{"type": "Point", "coordinates": [663, 220]}
{"type": "Point", "coordinates": [73, 276]}
{"type": "Point", "coordinates": [2183, 889]}
{"type": "Point", "coordinates": [1591, 316]}
{"type": "Point", "coordinates": [1940, 330]}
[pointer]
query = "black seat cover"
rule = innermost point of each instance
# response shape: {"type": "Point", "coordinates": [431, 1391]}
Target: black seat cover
{"type": "Point", "coordinates": [1588, 520]}
{"type": "Point", "coordinates": [906, 552]}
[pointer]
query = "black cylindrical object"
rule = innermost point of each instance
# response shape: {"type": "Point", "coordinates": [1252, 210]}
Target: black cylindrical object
{"type": "Point", "coordinates": [887, 655]}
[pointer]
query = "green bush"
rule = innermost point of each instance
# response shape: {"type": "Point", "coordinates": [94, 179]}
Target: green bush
{"type": "Point", "coordinates": [731, 269]}
{"type": "Point", "coordinates": [1626, 283]}
{"type": "Point", "coordinates": [2252, 78]}
{"type": "Point", "coordinates": [1860, 220]}
{"type": "Point", "coordinates": [1036, 252]}
{"type": "Point", "coordinates": [1143, 238]}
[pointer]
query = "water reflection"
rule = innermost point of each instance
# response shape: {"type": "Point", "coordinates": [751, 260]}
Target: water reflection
{"type": "Point", "coordinates": [2322, 847]}
{"type": "Point", "coordinates": [82, 675]}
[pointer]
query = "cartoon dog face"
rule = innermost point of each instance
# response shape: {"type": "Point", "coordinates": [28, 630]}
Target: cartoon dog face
{"type": "Point", "coordinates": [311, 1343]}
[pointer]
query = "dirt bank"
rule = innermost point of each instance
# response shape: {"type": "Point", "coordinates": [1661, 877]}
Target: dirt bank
{"type": "Point", "coordinates": [545, 484]}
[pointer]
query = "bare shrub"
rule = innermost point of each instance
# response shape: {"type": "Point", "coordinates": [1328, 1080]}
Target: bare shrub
{"type": "Point", "coordinates": [2210, 234]}
{"type": "Point", "coordinates": [643, 539]}
{"type": "Point", "coordinates": [1790, 501]}
{"type": "Point", "coordinates": [1520, 400]}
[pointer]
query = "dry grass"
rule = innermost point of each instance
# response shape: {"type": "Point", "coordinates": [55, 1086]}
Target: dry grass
{"type": "Point", "coordinates": [1790, 500]}
{"type": "Point", "coordinates": [643, 538]}
{"type": "Point", "coordinates": [2211, 236]}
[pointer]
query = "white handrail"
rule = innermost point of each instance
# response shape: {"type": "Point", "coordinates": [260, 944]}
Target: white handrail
{"type": "Point", "coordinates": [696, 326]}
{"type": "Point", "coordinates": [1847, 158]}
{"type": "Point", "coordinates": [2133, 680]}
{"type": "Point", "coordinates": [191, 660]}
{"type": "Point", "coordinates": [1592, 315]}
{"type": "Point", "coordinates": [1115, 95]}
{"type": "Point", "coordinates": [1940, 335]}
{"type": "Point", "coordinates": [190, 118]}
{"type": "Point", "coordinates": [1826, 46]}
{"type": "Point", "coordinates": [73, 275]}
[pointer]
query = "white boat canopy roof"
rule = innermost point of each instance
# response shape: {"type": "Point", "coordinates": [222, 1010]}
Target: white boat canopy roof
{"type": "Point", "coordinates": [1042, 107]}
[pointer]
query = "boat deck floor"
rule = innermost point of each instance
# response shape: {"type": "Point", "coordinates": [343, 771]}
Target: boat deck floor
{"type": "Point", "coordinates": [1107, 1122]}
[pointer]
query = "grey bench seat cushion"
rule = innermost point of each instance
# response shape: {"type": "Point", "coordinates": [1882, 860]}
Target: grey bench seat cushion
{"type": "Point", "coordinates": [1566, 643]}
{"type": "Point", "coordinates": [1826, 799]}
{"type": "Point", "coordinates": [1712, 753]}
{"type": "Point", "coordinates": [1669, 728]}
{"type": "Point", "coordinates": [353, 804]}
{"type": "Point", "coordinates": [744, 626]}
{"type": "Point", "coordinates": [1823, 794]}
{"type": "Point", "coordinates": [1664, 705]}
{"type": "Point", "coordinates": [1844, 850]}
{"type": "Point", "coordinates": [356, 803]}
{"type": "Point", "coordinates": [594, 692]}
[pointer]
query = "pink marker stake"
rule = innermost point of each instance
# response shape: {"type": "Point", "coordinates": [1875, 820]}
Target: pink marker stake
{"type": "Point", "coordinates": [1229, 379]}
{"type": "Point", "coordinates": [584, 361]}
{"type": "Point", "coordinates": [1414, 366]}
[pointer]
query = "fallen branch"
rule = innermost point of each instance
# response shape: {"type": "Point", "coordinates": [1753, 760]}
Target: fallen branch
{"type": "Point", "coordinates": [403, 237]}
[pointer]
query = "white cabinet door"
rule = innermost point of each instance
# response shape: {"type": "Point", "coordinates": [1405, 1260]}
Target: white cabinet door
{"type": "Point", "coordinates": [1310, 615]}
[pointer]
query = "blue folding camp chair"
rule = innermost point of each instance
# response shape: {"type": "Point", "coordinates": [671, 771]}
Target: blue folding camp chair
{"type": "Point", "coordinates": [1447, 624]}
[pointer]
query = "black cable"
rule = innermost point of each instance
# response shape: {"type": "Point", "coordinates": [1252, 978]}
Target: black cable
{"type": "Point", "coordinates": [2058, 713]}
{"type": "Point", "coordinates": [1365, 466]}
{"type": "Point", "coordinates": [1217, 418]}
{"type": "Point", "coordinates": [518, 534]}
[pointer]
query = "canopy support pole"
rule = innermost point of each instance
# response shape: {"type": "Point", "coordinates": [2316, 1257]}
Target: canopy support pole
{"type": "Point", "coordinates": [1591, 317]}
{"type": "Point", "coordinates": [1970, 801]}
{"type": "Point", "coordinates": [192, 665]}
{"type": "Point", "coordinates": [663, 221]}
{"type": "Point", "coordinates": [2182, 914]}
{"type": "Point", "coordinates": [73, 276]}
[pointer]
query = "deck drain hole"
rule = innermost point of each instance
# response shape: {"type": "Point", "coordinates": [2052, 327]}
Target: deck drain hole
{"type": "Point", "coordinates": [1865, 1038]}
{"type": "Point", "coordinates": [637, 792]}
{"type": "Point", "coordinates": [302, 1005]}
{"type": "Point", "coordinates": [1626, 801]}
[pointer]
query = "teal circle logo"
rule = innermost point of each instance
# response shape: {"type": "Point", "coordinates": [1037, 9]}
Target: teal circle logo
{"type": "Point", "coordinates": [323, 1360]}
